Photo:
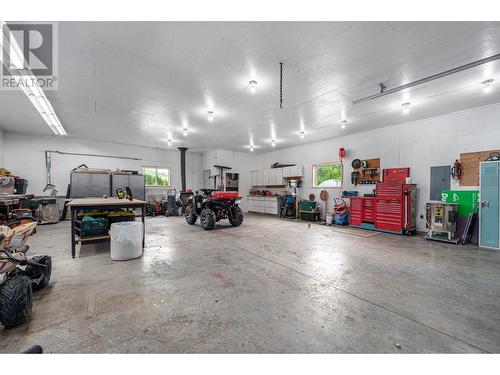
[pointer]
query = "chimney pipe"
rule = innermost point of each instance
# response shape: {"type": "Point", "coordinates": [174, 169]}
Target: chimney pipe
{"type": "Point", "coordinates": [183, 166]}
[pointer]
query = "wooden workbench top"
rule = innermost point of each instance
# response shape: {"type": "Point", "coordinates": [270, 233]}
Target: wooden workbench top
{"type": "Point", "coordinates": [85, 202]}
{"type": "Point", "coordinates": [8, 202]}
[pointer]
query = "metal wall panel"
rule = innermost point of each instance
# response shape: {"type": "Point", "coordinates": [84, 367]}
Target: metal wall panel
{"type": "Point", "coordinates": [440, 180]}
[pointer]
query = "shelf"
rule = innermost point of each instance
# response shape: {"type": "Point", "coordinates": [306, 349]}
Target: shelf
{"type": "Point", "coordinates": [92, 238]}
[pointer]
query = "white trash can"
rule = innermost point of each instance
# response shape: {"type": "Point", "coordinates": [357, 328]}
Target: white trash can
{"type": "Point", "coordinates": [126, 240]}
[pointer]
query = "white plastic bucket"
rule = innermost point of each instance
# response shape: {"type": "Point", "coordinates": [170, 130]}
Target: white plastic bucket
{"type": "Point", "coordinates": [329, 218]}
{"type": "Point", "coordinates": [126, 240]}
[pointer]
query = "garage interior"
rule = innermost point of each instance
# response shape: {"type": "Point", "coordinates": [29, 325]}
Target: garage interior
{"type": "Point", "coordinates": [253, 187]}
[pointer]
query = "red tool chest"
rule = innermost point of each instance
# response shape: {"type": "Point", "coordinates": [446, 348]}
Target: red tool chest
{"type": "Point", "coordinates": [396, 174]}
{"type": "Point", "coordinates": [362, 210]}
{"type": "Point", "coordinates": [393, 209]}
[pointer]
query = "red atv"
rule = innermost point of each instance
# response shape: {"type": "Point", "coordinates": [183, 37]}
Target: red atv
{"type": "Point", "coordinates": [213, 206]}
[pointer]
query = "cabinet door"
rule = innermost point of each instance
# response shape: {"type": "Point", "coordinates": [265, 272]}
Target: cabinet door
{"type": "Point", "coordinates": [101, 184]}
{"type": "Point", "coordinates": [278, 176]}
{"type": "Point", "coordinates": [286, 171]}
{"type": "Point", "coordinates": [300, 170]}
{"type": "Point", "coordinates": [260, 175]}
{"type": "Point", "coordinates": [489, 205]}
{"type": "Point", "coordinates": [272, 176]}
{"type": "Point", "coordinates": [296, 171]}
{"type": "Point", "coordinates": [266, 177]}
{"type": "Point", "coordinates": [253, 178]}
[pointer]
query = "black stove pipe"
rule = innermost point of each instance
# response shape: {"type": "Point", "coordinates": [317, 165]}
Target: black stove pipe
{"type": "Point", "coordinates": [183, 167]}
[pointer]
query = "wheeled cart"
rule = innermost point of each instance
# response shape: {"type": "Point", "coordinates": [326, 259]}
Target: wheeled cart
{"type": "Point", "coordinates": [393, 209]}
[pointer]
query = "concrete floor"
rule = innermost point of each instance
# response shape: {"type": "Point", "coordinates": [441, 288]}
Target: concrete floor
{"type": "Point", "coordinates": [269, 286]}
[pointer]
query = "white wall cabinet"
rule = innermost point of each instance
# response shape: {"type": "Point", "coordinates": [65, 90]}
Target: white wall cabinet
{"type": "Point", "coordinates": [278, 176]}
{"type": "Point", "coordinates": [254, 177]}
{"type": "Point", "coordinates": [275, 176]}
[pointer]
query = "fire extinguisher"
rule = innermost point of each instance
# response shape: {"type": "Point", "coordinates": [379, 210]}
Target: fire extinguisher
{"type": "Point", "coordinates": [341, 154]}
{"type": "Point", "coordinates": [456, 171]}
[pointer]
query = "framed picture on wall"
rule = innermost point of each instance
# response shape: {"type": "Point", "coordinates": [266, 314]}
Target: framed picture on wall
{"type": "Point", "coordinates": [327, 175]}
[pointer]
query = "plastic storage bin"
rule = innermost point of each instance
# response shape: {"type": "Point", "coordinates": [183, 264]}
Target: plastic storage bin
{"type": "Point", "coordinates": [126, 240]}
{"type": "Point", "coordinates": [21, 185]}
{"type": "Point", "coordinates": [93, 226]}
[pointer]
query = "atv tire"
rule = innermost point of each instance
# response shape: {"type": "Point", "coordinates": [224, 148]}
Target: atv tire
{"type": "Point", "coordinates": [190, 215]}
{"type": "Point", "coordinates": [208, 219]}
{"type": "Point", "coordinates": [16, 301]}
{"type": "Point", "coordinates": [237, 219]}
{"type": "Point", "coordinates": [40, 277]}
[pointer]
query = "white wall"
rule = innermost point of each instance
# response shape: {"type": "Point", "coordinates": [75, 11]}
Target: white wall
{"type": "Point", "coordinates": [418, 145]}
{"type": "Point", "coordinates": [24, 156]}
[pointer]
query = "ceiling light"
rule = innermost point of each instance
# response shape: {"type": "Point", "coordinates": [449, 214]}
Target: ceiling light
{"type": "Point", "coordinates": [34, 93]}
{"type": "Point", "coordinates": [488, 85]}
{"type": "Point", "coordinates": [210, 115]}
{"type": "Point", "coordinates": [253, 86]}
{"type": "Point", "coordinates": [185, 132]}
{"type": "Point", "coordinates": [273, 142]}
{"type": "Point", "coordinates": [343, 124]}
{"type": "Point", "coordinates": [170, 142]}
{"type": "Point", "coordinates": [405, 107]}
{"type": "Point", "coordinates": [251, 148]}
{"type": "Point", "coordinates": [302, 135]}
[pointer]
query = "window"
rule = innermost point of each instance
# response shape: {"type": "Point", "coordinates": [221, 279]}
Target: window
{"type": "Point", "coordinates": [154, 176]}
{"type": "Point", "coordinates": [327, 175]}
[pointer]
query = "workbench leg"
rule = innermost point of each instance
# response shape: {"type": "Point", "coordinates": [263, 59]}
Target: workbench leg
{"type": "Point", "coordinates": [143, 228]}
{"type": "Point", "coordinates": [73, 241]}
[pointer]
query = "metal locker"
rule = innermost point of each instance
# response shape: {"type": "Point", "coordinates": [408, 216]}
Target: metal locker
{"type": "Point", "coordinates": [489, 208]}
{"type": "Point", "coordinates": [85, 185]}
{"type": "Point", "coordinates": [134, 181]}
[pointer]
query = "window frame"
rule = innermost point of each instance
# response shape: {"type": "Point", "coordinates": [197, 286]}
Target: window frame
{"type": "Point", "coordinates": [156, 167]}
{"type": "Point", "coordinates": [314, 169]}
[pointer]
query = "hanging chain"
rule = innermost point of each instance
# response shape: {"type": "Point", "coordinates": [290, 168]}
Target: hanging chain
{"type": "Point", "coordinates": [281, 85]}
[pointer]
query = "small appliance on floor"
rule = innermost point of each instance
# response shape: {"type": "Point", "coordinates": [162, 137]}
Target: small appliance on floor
{"type": "Point", "coordinates": [442, 221]}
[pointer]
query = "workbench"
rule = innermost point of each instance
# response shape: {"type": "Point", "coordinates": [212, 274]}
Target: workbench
{"type": "Point", "coordinates": [7, 201]}
{"type": "Point", "coordinates": [94, 204]}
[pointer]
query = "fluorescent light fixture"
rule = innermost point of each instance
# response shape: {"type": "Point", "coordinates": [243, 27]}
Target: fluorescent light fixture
{"type": "Point", "coordinates": [253, 86]}
{"type": "Point", "coordinates": [34, 93]}
{"type": "Point", "coordinates": [343, 124]}
{"type": "Point", "coordinates": [405, 107]}
{"type": "Point", "coordinates": [488, 85]}
{"type": "Point", "coordinates": [210, 116]}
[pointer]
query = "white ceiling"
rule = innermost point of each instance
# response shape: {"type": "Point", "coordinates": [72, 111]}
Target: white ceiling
{"type": "Point", "coordinates": [136, 82]}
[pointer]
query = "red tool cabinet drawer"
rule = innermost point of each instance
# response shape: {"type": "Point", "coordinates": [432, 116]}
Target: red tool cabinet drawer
{"type": "Point", "coordinates": [389, 214]}
{"type": "Point", "coordinates": [369, 210]}
{"type": "Point", "coordinates": [389, 190]}
{"type": "Point", "coordinates": [356, 211]}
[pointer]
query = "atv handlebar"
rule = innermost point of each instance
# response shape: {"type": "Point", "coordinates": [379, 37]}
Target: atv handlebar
{"type": "Point", "coordinates": [34, 349]}
{"type": "Point", "coordinates": [23, 262]}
